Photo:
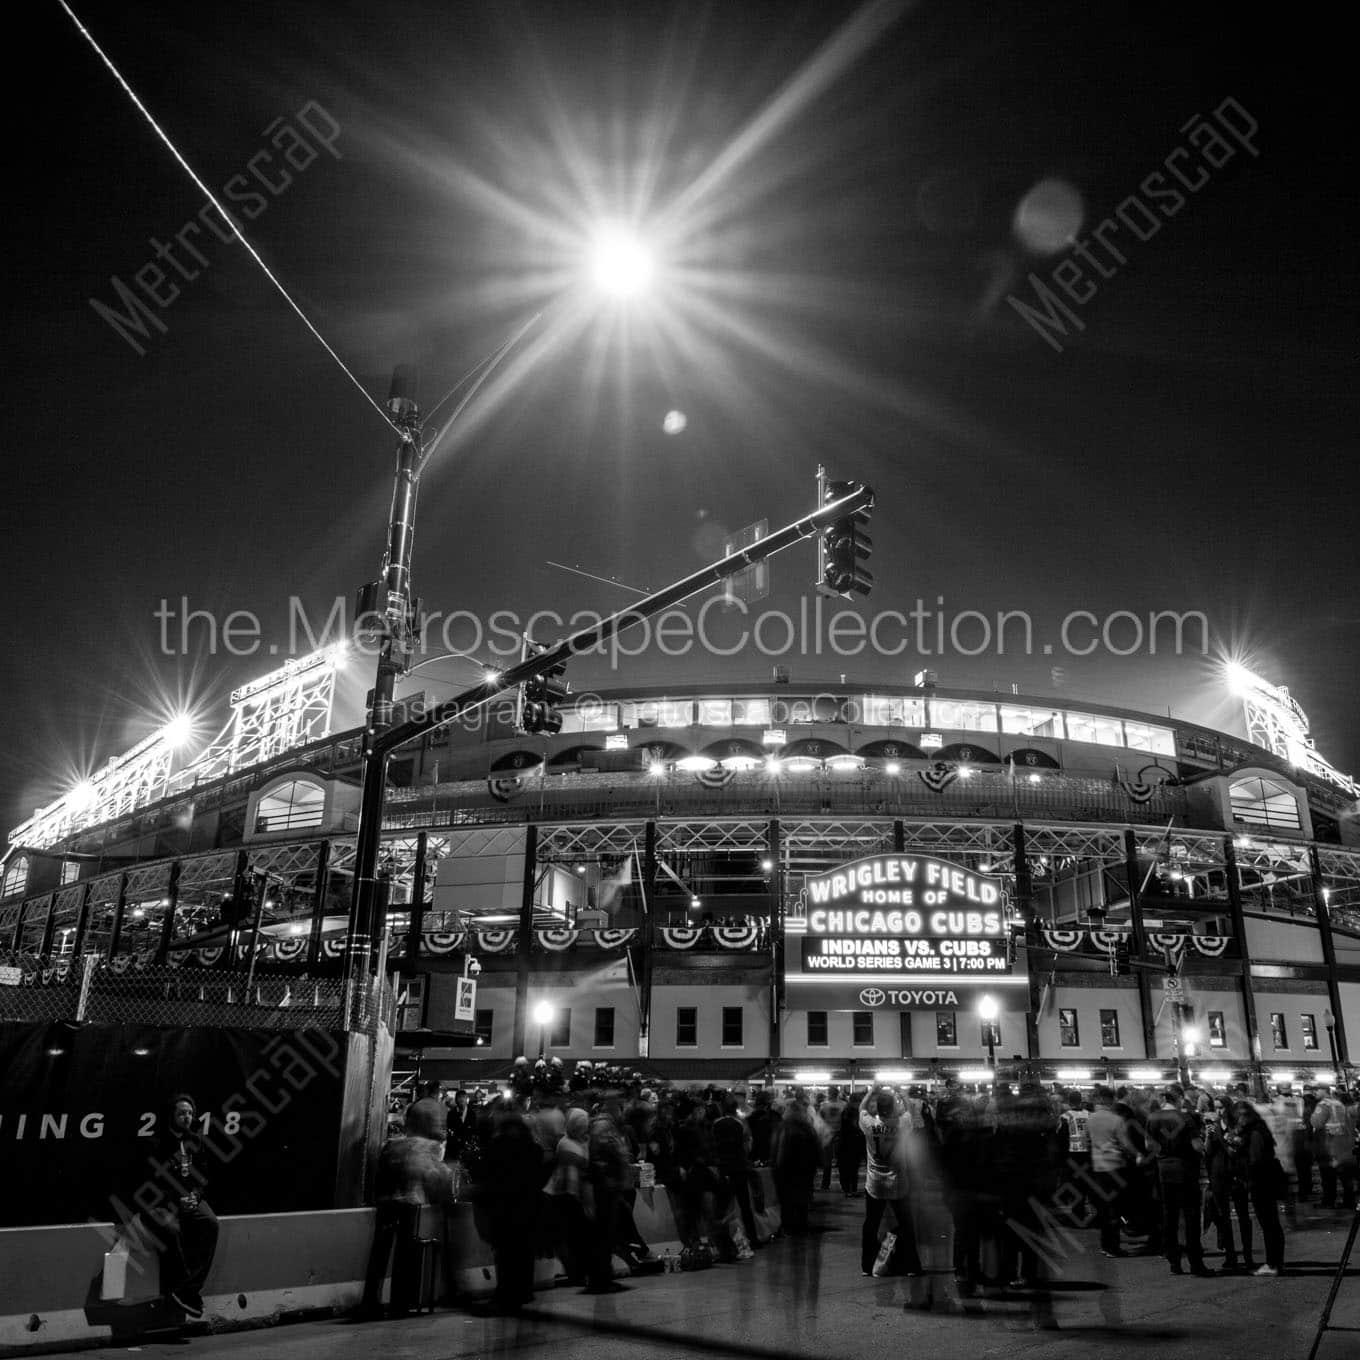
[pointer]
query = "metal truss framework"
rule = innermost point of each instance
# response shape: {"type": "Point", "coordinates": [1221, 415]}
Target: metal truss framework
{"type": "Point", "coordinates": [289, 707]}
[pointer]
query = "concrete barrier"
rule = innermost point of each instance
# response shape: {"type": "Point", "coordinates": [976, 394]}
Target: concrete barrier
{"type": "Point", "coordinates": [267, 1268]}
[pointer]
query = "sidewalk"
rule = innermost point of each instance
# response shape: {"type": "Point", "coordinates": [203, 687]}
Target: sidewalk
{"type": "Point", "coordinates": [806, 1297]}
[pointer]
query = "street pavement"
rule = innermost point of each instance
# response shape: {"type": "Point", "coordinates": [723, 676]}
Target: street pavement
{"type": "Point", "coordinates": [806, 1297]}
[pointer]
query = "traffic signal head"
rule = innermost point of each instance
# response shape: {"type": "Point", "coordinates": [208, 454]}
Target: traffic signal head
{"type": "Point", "coordinates": [845, 547]}
{"type": "Point", "coordinates": [540, 698]}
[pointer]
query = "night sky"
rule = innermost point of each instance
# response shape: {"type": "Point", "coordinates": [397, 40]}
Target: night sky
{"type": "Point", "coordinates": [837, 195]}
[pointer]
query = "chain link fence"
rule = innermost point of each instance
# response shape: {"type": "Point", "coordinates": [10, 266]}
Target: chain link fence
{"type": "Point", "coordinates": [126, 991]}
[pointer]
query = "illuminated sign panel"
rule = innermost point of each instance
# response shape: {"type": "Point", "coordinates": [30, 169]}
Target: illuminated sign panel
{"type": "Point", "coordinates": [902, 931]}
{"type": "Point", "coordinates": [822, 955]}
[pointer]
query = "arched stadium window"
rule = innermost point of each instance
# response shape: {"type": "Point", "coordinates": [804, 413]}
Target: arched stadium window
{"type": "Point", "coordinates": [16, 877]}
{"type": "Point", "coordinates": [293, 806]}
{"type": "Point", "coordinates": [1264, 803]}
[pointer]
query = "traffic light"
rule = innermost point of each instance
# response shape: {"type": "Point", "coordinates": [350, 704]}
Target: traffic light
{"type": "Point", "coordinates": [540, 697]}
{"type": "Point", "coordinates": [1122, 963]}
{"type": "Point", "coordinates": [844, 547]}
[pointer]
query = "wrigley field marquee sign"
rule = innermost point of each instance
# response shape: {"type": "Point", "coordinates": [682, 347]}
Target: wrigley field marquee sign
{"type": "Point", "coordinates": [901, 932]}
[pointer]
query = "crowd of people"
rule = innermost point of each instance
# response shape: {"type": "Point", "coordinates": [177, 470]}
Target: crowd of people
{"type": "Point", "coordinates": [1150, 1171]}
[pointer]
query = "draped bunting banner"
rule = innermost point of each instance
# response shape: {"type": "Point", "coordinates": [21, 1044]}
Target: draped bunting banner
{"type": "Point", "coordinates": [495, 941]}
{"type": "Point", "coordinates": [614, 939]}
{"type": "Point", "coordinates": [556, 940]}
{"type": "Point", "coordinates": [737, 937]}
{"type": "Point", "coordinates": [1102, 942]}
{"type": "Point", "coordinates": [680, 937]}
{"type": "Point", "coordinates": [504, 789]}
{"type": "Point", "coordinates": [333, 948]}
{"type": "Point", "coordinates": [442, 941]}
{"type": "Point", "coordinates": [938, 776]}
{"type": "Point", "coordinates": [1137, 793]}
{"type": "Point", "coordinates": [716, 778]}
{"type": "Point", "coordinates": [287, 951]}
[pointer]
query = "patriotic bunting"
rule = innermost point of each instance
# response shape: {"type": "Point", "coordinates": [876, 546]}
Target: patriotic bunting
{"type": "Point", "coordinates": [716, 778]}
{"type": "Point", "coordinates": [938, 776]}
{"type": "Point", "coordinates": [557, 940]}
{"type": "Point", "coordinates": [680, 937]}
{"type": "Point", "coordinates": [440, 942]}
{"type": "Point", "coordinates": [736, 937]}
{"type": "Point", "coordinates": [495, 941]}
{"type": "Point", "coordinates": [614, 939]}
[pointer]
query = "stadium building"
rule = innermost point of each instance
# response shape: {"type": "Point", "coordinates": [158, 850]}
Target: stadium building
{"type": "Point", "coordinates": [740, 882]}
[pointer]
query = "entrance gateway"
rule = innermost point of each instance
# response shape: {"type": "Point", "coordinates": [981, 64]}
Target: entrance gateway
{"type": "Point", "coordinates": [902, 932]}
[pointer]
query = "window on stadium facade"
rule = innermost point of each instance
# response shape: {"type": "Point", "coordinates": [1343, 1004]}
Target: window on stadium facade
{"type": "Point", "coordinates": [732, 1027]}
{"type": "Point", "coordinates": [880, 710]}
{"type": "Point", "coordinates": [962, 715]}
{"type": "Point", "coordinates": [1279, 1036]}
{"type": "Point", "coordinates": [1069, 1032]}
{"type": "Point", "coordinates": [1264, 803]}
{"type": "Point", "coordinates": [687, 1027]}
{"type": "Point", "coordinates": [559, 1032]}
{"type": "Point", "coordinates": [1109, 1029]}
{"type": "Point", "coordinates": [1142, 737]}
{"type": "Point", "coordinates": [1218, 1032]}
{"type": "Point", "coordinates": [1031, 722]}
{"type": "Point", "coordinates": [1090, 727]}
{"type": "Point", "coordinates": [483, 1023]}
{"type": "Point", "coordinates": [16, 877]}
{"type": "Point", "coordinates": [604, 1027]}
{"type": "Point", "coordinates": [946, 1030]}
{"type": "Point", "coordinates": [863, 1029]}
{"type": "Point", "coordinates": [1308, 1027]}
{"type": "Point", "coordinates": [294, 806]}
{"type": "Point", "coordinates": [817, 1032]}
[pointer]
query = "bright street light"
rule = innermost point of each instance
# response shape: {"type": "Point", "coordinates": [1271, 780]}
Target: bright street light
{"type": "Point", "coordinates": [621, 265]}
{"type": "Point", "coordinates": [543, 1013]}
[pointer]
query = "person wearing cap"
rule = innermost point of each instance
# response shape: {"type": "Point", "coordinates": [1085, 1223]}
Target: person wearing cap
{"type": "Point", "coordinates": [185, 1225]}
{"type": "Point", "coordinates": [1178, 1137]}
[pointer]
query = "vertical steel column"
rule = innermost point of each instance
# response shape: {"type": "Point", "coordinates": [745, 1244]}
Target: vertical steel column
{"type": "Point", "coordinates": [1024, 895]}
{"type": "Point", "coordinates": [774, 850]}
{"type": "Point", "coordinates": [648, 937]}
{"type": "Point", "coordinates": [416, 925]}
{"type": "Point", "coordinates": [1321, 910]}
{"type": "Point", "coordinates": [116, 934]}
{"type": "Point", "coordinates": [1138, 953]}
{"type": "Point", "coordinates": [82, 920]}
{"type": "Point", "coordinates": [1244, 972]}
{"type": "Point", "coordinates": [172, 906]}
{"type": "Point", "coordinates": [320, 892]}
{"type": "Point", "coordinates": [49, 927]}
{"type": "Point", "coordinates": [525, 940]}
{"type": "Point", "coordinates": [238, 890]}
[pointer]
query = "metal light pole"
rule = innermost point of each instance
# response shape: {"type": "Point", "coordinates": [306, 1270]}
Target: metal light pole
{"type": "Point", "coordinates": [391, 617]}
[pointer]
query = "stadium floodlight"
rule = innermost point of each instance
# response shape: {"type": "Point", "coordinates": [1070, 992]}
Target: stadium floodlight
{"type": "Point", "coordinates": [82, 796]}
{"type": "Point", "coordinates": [178, 730]}
{"type": "Point", "coordinates": [893, 1076]}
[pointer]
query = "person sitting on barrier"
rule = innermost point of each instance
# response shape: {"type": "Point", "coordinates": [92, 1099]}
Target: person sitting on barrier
{"type": "Point", "coordinates": [411, 1175]}
{"type": "Point", "coordinates": [185, 1226]}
